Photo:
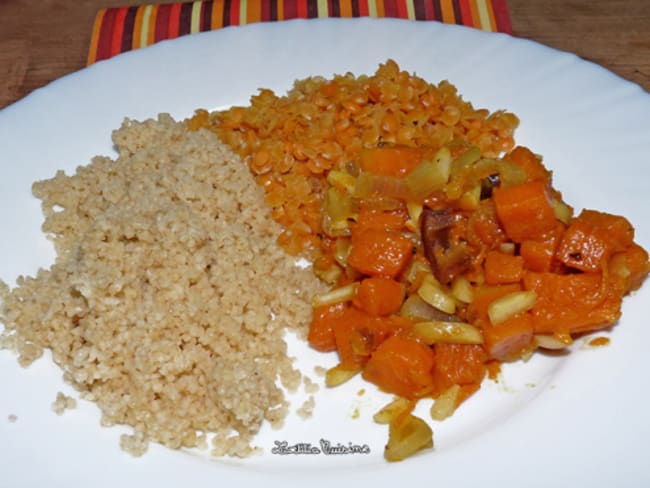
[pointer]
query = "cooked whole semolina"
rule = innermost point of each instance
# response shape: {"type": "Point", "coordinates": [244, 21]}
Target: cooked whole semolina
{"type": "Point", "coordinates": [169, 297]}
{"type": "Point", "coordinates": [62, 403]}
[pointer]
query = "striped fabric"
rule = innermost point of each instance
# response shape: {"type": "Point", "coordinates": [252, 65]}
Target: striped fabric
{"type": "Point", "coordinates": [121, 29]}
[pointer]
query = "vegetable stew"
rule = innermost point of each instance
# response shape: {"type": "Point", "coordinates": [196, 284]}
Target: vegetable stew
{"type": "Point", "coordinates": [447, 248]}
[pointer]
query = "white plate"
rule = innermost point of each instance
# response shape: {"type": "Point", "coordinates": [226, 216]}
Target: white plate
{"type": "Point", "coordinates": [575, 420]}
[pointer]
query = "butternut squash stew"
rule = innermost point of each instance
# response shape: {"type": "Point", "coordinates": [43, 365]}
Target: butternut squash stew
{"type": "Point", "coordinates": [447, 248]}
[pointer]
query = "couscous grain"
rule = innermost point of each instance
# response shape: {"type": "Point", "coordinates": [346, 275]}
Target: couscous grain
{"type": "Point", "coordinates": [169, 296]}
{"type": "Point", "coordinates": [62, 403]}
{"type": "Point", "coordinates": [307, 408]}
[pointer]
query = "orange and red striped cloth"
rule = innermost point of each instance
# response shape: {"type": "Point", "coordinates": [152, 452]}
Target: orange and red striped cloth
{"type": "Point", "coordinates": [120, 29]}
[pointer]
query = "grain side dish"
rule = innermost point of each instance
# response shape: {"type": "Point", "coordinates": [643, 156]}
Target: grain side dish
{"type": "Point", "coordinates": [159, 305]}
{"type": "Point", "coordinates": [446, 245]}
{"type": "Point", "coordinates": [292, 142]}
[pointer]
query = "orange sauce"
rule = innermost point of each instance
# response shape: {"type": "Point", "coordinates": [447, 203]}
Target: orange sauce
{"type": "Point", "coordinates": [599, 342]}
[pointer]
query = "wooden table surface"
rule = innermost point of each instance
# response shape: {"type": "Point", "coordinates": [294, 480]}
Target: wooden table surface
{"type": "Point", "coordinates": [46, 39]}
